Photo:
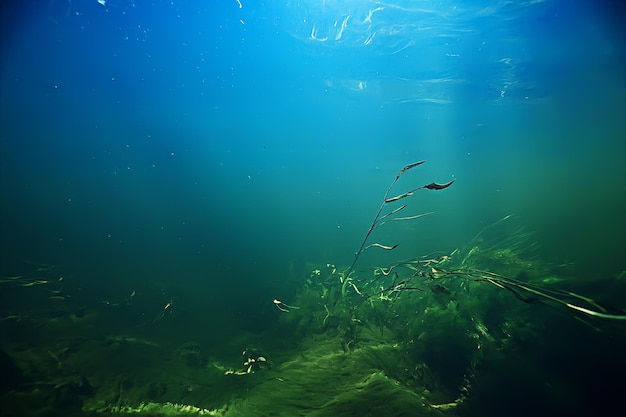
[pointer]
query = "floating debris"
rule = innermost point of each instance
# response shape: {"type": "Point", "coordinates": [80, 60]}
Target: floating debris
{"type": "Point", "coordinates": [284, 307]}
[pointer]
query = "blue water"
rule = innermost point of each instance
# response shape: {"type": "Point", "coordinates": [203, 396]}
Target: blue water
{"type": "Point", "coordinates": [217, 149]}
{"type": "Point", "coordinates": [170, 136]}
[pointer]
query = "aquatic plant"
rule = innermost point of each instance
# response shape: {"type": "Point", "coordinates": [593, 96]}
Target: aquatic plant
{"type": "Point", "coordinates": [431, 272]}
{"type": "Point", "coordinates": [388, 217]}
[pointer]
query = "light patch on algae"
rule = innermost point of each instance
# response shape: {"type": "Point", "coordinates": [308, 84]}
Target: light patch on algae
{"type": "Point", "coordinates": [324, 381]}
{"type": "Point", "coordinates": [320, 379]}
{"type": "Point", "coordinates": [165, 410]}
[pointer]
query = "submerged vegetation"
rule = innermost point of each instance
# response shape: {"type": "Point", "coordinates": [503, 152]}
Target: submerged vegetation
{"type": "Point", "coordinates": [453, 334]}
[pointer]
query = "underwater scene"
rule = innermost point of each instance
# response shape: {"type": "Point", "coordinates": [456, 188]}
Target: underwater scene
{"type": "Point", "coordinates": [313, 208]}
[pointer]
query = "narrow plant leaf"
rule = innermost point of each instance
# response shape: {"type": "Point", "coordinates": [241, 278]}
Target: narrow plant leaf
{"type": "Point", "coordinates": [391, 213]}
{"type": "Point", "coordinates": [406, 168]}
{"type": "Point", "coordinates": [435, 186]}
{"type": "Point", "coordinates": [378, 245]}
{"type": "Point", "coordinates": [403, 195]}
{"type": "Point", "coordinates": [417, 216]}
